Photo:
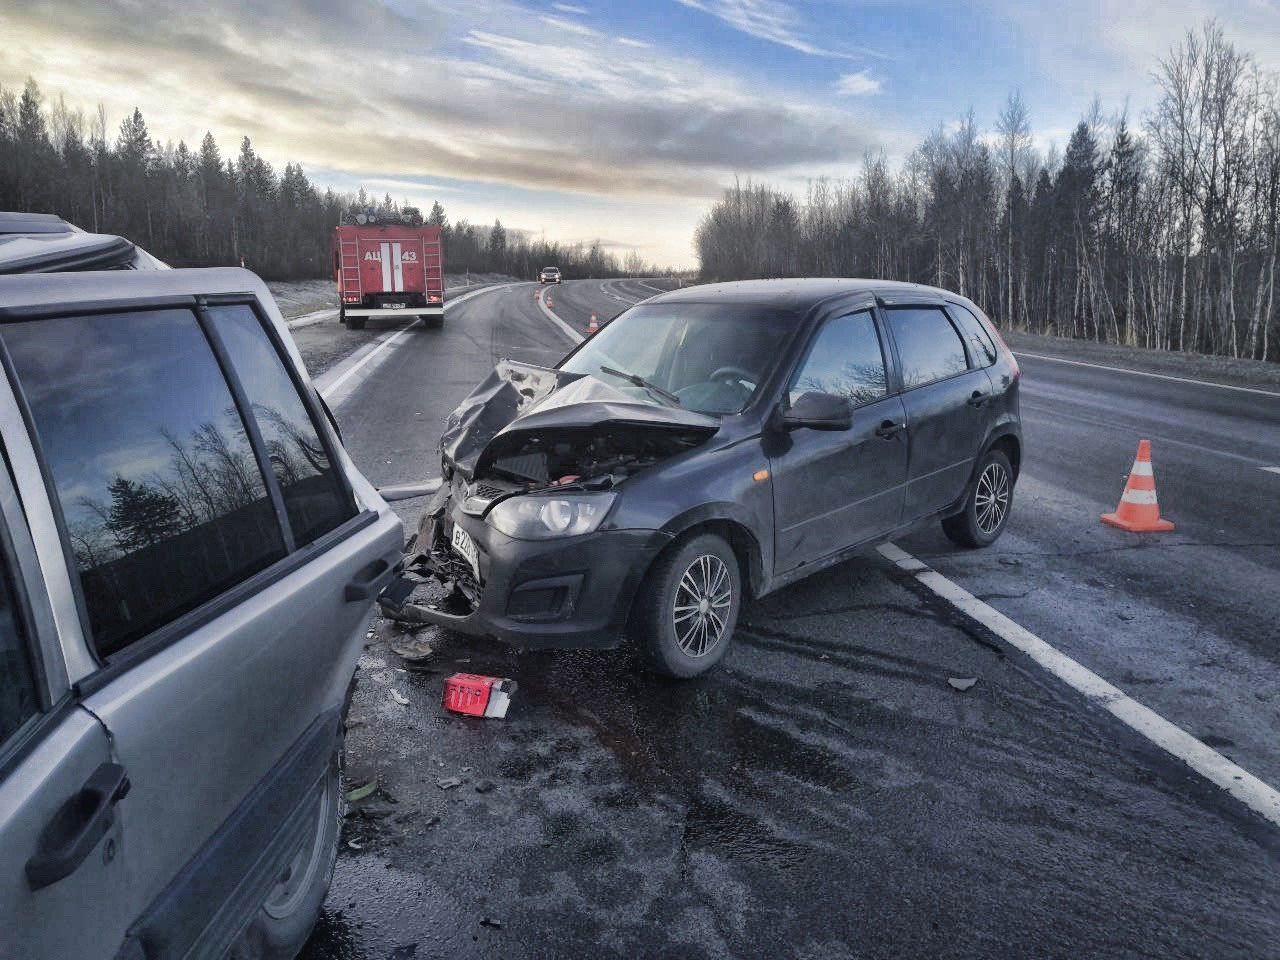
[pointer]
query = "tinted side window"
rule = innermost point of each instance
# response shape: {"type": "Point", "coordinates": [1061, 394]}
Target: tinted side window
{"type": "Point", "coordinates": [984, 348]}
{"type": "Point", "coordinates": [18, 702]}
{"type": "Point", "coordinates": [312, 496]}
{"type": "Point", "coordinates": [164, 502]}
{"type": "Point", "coordinates": [845, 359]}
{"type": "Point", "coordinates": [928, 345]}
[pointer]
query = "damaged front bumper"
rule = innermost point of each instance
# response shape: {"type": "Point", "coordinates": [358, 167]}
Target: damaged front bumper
{"type": "Point", "coordinates": [573, 592]}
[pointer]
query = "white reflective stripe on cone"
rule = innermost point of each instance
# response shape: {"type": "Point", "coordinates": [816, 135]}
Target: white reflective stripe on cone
{"type": "Point", "coordinates": [1141, 468]}
{"type": "Point", "coordinates": [1142, 497]}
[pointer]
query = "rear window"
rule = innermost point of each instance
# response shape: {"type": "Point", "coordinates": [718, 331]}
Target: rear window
{"type": "Point", "coordinates": [313, 498]}
{"type": "Point", "coordinates": [164, 501]}
{"type": "Point", "coordinates": [980, 342]}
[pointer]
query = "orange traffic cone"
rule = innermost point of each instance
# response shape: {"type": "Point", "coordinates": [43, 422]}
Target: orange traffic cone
{"type": "Point", "coordinates": [1138, 511]}
{"type": "Point", "coordinates": [594, 325]}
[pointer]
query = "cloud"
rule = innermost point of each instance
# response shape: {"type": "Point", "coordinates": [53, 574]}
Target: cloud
{"type": "Point", "coordinates": [559, 23]}
{"type": "Point", "coordinates": [570, 8]}
{"type": "Point", "coordinates": [488, 95]}
{"type": "Point", "coordinates": [772, 21]}
{"type": "Point", "coordinates": [860, 84]}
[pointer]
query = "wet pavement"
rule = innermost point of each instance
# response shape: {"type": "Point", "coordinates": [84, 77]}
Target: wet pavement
{"type": "Point", "coordinates": [825, 792]}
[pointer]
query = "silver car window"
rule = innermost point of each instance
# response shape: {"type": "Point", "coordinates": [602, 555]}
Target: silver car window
{"type": "Point", "coordinates": [164, 502]}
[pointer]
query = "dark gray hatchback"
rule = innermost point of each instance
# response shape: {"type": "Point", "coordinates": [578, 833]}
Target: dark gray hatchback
{"type": "Point", "coordinates": [715, 443]}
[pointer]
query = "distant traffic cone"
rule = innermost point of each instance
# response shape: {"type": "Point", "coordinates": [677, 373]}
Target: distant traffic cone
{"type": "Point", "coordinates": [594, 325]}
{"type": "Point", "coordinates": [1139, 512]}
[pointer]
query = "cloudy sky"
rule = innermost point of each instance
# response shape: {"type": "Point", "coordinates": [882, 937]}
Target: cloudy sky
{"type": "Point", "coordinates": [584, 119]}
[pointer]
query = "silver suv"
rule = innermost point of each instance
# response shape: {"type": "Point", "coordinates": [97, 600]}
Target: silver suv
{"type": "Point", "coordinates": [187, 560]}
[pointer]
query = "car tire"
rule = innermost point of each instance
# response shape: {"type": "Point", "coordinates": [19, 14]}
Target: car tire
{"type": "Point", "coordinates": [987, 504]}
{"type": "Point", "coordinates": [356, 323]}
{"type": "Point", "coordinates": [280, 928]}
{"type": "Point", "coordinates": [687, 608]}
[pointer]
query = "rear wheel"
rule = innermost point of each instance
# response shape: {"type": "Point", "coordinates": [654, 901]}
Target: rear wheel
{"type": "Point", "coordinates": [356, 323]}
{"type": "Point", "coordinates": [284, 921]}
{"type": "Point", "coordinates": [688, 607]}
{"type": "Point", "coordinates": [986, 504]}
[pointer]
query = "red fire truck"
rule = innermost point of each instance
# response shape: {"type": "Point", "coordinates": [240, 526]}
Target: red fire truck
{"type": "Point", "coordinates": [386, 269]}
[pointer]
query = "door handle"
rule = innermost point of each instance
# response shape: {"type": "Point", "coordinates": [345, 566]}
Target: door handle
{"type": "Point", "coordinates": [371, 579]}
{"type": "Point", "coordinates": [76, 828]}
{"type": "Point", "coordinates": [978, 398]}
{"type": "Point", "coordinates": [889, 429]}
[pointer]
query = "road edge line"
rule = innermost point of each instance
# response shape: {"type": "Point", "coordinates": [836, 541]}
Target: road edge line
{"type": "Point", "coordinates": [329, 389]}
{"type": "Point", "coordinates": [1254, 793]}
{"type": "Point", "coordinates": [1144, 373]}
{"type": "Point", "coordinates": [574, 336]}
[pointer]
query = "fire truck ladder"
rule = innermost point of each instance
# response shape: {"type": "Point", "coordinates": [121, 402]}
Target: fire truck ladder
{"type": "Point", "coordinates": [432, 264]}
{"type": "Point", "coordinates": [349, 252]}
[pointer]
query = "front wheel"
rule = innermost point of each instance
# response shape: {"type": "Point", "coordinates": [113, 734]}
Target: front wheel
{"type": "Point", "coordinates": [986, 504]}
{"type": "Point", "coordinates": [688, 607]}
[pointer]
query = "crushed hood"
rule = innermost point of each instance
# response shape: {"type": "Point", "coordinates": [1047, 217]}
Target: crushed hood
{"type": "Point", "coordinates": [518, 400]}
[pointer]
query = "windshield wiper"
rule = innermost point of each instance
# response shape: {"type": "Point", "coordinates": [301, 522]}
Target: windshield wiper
{"type": "Point", "coordinates": [640, 381]}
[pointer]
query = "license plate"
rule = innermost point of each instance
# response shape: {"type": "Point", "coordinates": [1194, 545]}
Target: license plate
{"type": "Point", "coordinates": [465, 546]}
{"type": "Point", "coordinates": [396, 306]}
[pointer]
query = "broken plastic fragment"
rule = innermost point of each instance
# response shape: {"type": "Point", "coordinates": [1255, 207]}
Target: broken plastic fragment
{"type": "Point", "coordinates": [399, 698]}
{"type": "Point", "coordinates": [448, 783]}
{"type": "Point", "coordinates": [359, 793]}
{"type": "Point", "coordinates": [962, 684]}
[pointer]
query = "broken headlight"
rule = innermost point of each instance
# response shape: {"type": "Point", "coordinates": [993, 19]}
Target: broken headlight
{"type": "Point", "coordinates": [544, 517]}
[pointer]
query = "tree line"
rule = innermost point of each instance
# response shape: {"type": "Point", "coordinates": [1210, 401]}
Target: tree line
{"type": "Point", "coordinates": [1161, 234]}
{"type": "Point", "coordinates": [197, 207]}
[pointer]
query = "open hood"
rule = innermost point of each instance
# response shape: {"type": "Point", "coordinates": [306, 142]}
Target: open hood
{"type": "Point", "coordinates": [523, 411]}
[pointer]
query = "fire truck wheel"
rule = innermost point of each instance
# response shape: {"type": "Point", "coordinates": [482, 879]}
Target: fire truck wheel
{"type": "Point", "coordinates": [356, 323]}
{"type": "Point", "coordinates": [435, 322]}
{"type": "Point", "coordinates": [284, 921]}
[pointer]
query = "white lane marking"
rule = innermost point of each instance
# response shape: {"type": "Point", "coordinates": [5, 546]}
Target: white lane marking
{"type": "Point", "coordinates": [1207, 762]}
{"type": "Point", "coordinates": [1154, 376]}
{"type": "Point", "coordinates": [1033, 410]}
{"type": "Point", "coordinates": [574, 336]}
{"type": "Point", "coordinates": [1272, 469]}
{"type": "Point", "coordinates": [398, 337]}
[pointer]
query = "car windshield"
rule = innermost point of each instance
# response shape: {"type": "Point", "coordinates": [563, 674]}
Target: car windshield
{"type": "Point", "coordinates": [711, 357]}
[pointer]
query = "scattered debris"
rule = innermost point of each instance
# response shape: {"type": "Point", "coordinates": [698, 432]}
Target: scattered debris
{"type": "Point", "coordinates": [448, 783]}
{"type": "Point", "coordinates": [1011, 561]}
{"type": "Point", "coordinates": [484, 786]}
{"type": "Point", "coordinates": [962, 684]}
{"type": "Point", "coordinates": [411, 648]}
{"type": "Point", "coordinates": [399, 697]}
{"type": "Point", "coordinates": [369, 635]}
{"type": "Point", "coordinates": [359, 793]}
{"type": "Point", "coordinates": [354, 845]}
{"type": "Point", "coordinates": [1125, 615]}
{"type": "Point", "coordinates": [491, 922]}
{"type": "Point", "coordinates": [478, 696]}
{"type": "Point", "coordinates": [431, 822]}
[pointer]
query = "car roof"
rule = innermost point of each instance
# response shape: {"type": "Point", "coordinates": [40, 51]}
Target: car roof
{"type": "Point", "coordinates": [23, 295]}
{"type": "Point", "coordinates": [799, 295]}
{"type": "Point", "coordinates": [44, 243]}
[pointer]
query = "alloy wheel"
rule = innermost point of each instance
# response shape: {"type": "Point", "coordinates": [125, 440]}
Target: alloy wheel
{"type": "Point", "coordinates": [991, 498]}
{"type": "Point", "coordinates": [703, 599]}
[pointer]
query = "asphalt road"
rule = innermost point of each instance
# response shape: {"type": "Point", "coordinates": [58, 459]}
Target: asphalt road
{"type": "Point", "coordinates": [825, 792]}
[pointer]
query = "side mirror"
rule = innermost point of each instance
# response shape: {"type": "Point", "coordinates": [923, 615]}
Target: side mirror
{"type": "Point", "coordinates": [818, 411]}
